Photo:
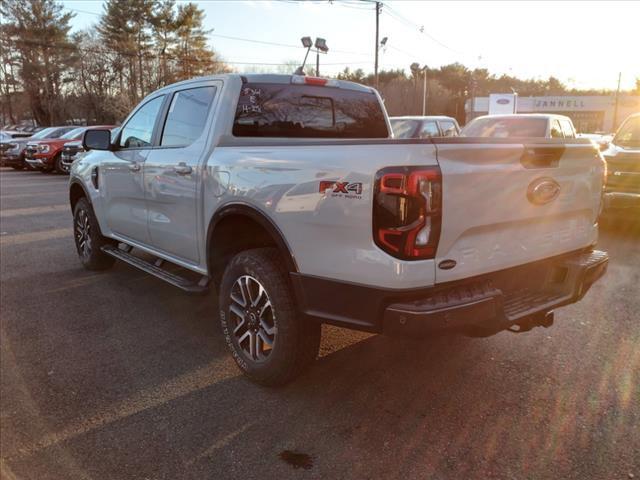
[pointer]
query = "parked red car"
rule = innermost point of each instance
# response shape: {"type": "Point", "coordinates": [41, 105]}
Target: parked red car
{"type": "Point", "coordinates": [46, 155]}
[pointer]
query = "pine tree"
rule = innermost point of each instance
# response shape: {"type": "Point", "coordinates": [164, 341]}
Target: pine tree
{"type": "Point", "coordinates": [38, 31]}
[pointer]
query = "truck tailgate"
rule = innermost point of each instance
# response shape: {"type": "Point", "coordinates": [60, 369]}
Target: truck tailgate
{"type": "Point", "coordinates": [509, 204]}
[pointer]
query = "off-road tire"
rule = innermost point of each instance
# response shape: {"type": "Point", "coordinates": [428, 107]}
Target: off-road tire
{"type": "Point", "coordinates": [297, 340]}
{"type": "Point", "coordinates": [85, 223]}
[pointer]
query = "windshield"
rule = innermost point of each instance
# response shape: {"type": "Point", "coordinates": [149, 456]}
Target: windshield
{"type": "Point", "coordinates": [73, 133]}
{"type": "Point", "coordinates": [405, 128]}
{"type": "Point", "coordinates": [506, 127]}
{"type": "Point", "coordinates": [629, 133]}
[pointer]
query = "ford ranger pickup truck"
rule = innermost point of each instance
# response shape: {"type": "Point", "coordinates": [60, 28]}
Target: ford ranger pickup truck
{"type": "Point", "coordinates": [290, 196]}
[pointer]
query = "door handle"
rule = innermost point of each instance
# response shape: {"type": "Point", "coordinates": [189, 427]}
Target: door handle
{"type": "Point", "coordinates": [183, 169]}
{"type": "Point", "coordinates": [134, 167]}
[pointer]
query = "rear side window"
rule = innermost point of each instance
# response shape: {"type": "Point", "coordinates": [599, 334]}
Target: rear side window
{"type": "Point", "coordinates": [307, 111]}
{"type": "Point", "coordinates": [187, 116]}
{"type": "Point", "coordinates": [404, 128]}
{"type": "Point", "coordinates": [448, 128]}
{"type": "Point", "coordinates": [567, 129]}
{"type": "Point", "coordinates": [429, 129]}
{"type": "Point", "coordinates": [506, 127]}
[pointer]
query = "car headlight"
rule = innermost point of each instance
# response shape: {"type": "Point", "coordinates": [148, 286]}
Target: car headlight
{"type": "Point", "coordinates": [43, 148]}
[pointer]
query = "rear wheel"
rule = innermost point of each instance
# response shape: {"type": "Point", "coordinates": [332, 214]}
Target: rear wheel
{"type": "Point", "coordinates": [89, 239]}
{"type": "Point", "coordinates": [267, 339]}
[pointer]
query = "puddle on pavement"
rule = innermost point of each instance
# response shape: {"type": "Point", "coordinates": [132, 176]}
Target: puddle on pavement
{"type": "Point", "coordinates": [296, 459]}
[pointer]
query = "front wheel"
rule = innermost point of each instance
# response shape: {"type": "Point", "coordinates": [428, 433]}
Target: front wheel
{"type": "Point", "coordinates": [267, 339]}
{"type": "Point", "coordinates": [89, 239]}
{"type": "Point", "coordinates": [59, 167]}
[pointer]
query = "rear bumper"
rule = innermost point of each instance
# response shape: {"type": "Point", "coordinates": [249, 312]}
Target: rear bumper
{"type": "Point", "coordinates": [487, 304]}
{"type": "Point", "coordinates": [482, 306]}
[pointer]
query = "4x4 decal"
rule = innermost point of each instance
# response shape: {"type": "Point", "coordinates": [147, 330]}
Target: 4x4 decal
{"type": "Point", "coordinates": [341, 189]}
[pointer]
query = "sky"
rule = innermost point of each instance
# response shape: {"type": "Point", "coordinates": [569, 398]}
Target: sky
{"type": "Point", "coordinates": [584, 44]}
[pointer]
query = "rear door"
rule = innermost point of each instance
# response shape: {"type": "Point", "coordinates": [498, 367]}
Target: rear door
{"type": "Point", "coordinates": [506, 204]}
{"type": "Point", "coordinates": [173, 169]}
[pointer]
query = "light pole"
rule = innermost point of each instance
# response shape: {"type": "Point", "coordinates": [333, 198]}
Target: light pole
{"type": "Point", "coordinates": [321, 46]}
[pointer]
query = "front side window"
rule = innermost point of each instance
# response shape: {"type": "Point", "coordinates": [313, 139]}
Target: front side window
{"type": "Point", "coordinates": [139, 129]}
{"type": "Point", "coordinates": [629, 133]}
{"type": "Point", "coordinates": [556, 130]}
{"type": "Point", "coordinates": [307, 111]}
{"type": "Point", "coordinates": [187, 116]}
{"type": "Point", "coordinates": [429, 129]}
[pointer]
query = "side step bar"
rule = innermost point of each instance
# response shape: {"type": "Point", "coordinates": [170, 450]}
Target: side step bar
{"type": "Point", "coordinates": [157, 271]}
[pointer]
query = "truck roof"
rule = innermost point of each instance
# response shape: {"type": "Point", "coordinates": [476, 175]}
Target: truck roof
{"type": "Point", "coordinates": [271, 78]}
{"type": "Point", "coordinates": [422, 117]}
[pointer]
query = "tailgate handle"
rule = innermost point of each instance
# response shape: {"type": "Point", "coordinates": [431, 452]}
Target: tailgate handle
{"type": "Point", "coordinates": [541, 156]}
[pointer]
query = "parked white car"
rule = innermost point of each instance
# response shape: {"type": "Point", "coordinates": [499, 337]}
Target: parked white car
{"type": "Point", "coordinates": [521, 125]}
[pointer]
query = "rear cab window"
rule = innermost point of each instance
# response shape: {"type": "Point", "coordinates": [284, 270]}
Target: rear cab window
{"type": "Point", "coordinates": [307, 111]}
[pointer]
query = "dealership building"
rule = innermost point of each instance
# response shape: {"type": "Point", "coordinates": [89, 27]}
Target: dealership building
{"type": "Point", "coordinates": [590, 114]}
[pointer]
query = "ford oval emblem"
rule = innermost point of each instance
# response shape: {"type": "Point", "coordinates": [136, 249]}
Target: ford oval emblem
{"type": "Point", "coordinates": [447, 264]}
{"type": "Point", "coordinates": [543, 190]}
{"type": "Point", "coordinates": [503, 101]}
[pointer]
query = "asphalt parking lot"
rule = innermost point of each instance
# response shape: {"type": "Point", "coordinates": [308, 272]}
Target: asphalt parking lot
{"type": "Point", "coordinates": [116, 375]}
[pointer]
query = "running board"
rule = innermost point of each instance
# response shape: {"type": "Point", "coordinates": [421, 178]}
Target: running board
{"type": "Point", "coordinates": [157, 271]}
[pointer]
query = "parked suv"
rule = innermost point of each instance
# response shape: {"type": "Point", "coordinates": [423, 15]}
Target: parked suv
{"type": "Point", "coordinates": [288, 194]}
{"type": "Point", "coordinates": [72, 151]}
{"type": "Point", "coordinates": [46, 155]}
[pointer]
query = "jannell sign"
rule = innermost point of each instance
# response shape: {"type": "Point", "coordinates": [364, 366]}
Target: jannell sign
{"type": "Point", "coordinates": [552, 103]}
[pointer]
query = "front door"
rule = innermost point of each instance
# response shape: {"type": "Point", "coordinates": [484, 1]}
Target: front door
{"type": "Point", "coordinates": [173, 170]}
{"type": "Point", "coordinates": [122, 174]}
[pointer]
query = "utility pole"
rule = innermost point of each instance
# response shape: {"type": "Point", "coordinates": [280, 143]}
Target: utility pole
{"type": "Point", "coordinates": [615, 108]}
{"type": "Point", "coordinates": [424, 92]}
{"type": "Point", "coordinates": [378, 7]}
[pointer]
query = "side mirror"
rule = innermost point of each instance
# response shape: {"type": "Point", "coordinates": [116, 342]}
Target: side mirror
{"type": "Point", "coordinates": [97, 139]}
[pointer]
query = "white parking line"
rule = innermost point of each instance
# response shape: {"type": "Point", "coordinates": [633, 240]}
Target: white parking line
{"type": "Point", "coordinates": [21, 238]}
{"type": "Point", "coordinates": [24, 185]}
{"type": "Point", "coordinates": [29, 195]}
{"type": "Point", "coordinates": [17, 212]}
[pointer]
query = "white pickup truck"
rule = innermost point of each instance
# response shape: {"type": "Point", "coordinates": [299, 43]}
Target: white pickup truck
{"type": "Point", "coordinates": [289, 194]}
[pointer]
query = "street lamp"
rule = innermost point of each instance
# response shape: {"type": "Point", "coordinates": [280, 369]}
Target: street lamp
{"type": "Point", "coordinates": [321, 47]}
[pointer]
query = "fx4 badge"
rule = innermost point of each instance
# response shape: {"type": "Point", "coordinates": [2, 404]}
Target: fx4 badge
{"type": "Point", "coordinates": [341, 189]}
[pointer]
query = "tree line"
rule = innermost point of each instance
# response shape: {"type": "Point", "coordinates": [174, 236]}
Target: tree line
{"type": "Point", "coordinates": [98, 74]}
{"type": "Point", "coordinates": [450, 86]}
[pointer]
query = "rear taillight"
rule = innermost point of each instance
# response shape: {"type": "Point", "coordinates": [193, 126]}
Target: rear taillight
{"type": "Point", "coordinates": [407, 211]}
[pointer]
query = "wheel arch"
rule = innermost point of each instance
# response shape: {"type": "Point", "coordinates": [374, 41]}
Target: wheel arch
{"type": "Point", "coordinates": [228, 223]}
{"type": "Point", "coordinates": [76, 192]}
